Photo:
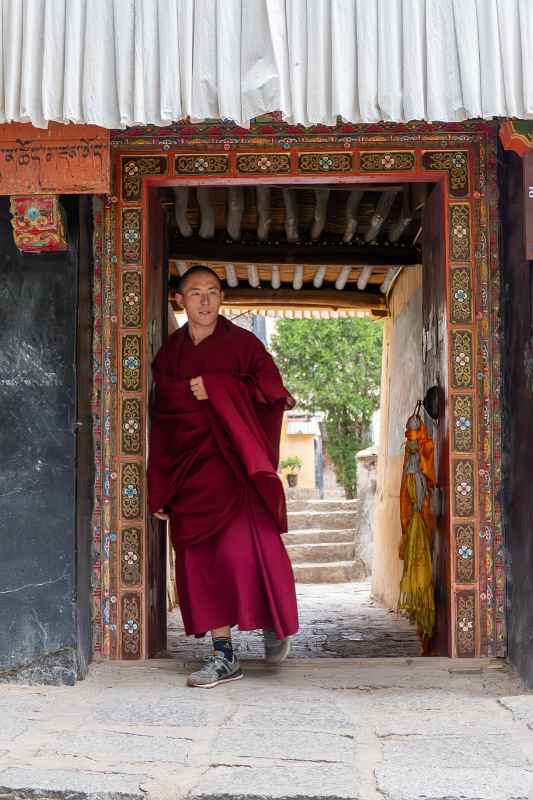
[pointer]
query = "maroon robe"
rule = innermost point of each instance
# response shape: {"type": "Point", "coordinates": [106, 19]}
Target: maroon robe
{"type": "Point", "coordinates": [212, 466]}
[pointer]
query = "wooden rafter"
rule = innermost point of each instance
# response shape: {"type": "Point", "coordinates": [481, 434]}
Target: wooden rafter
{"type": "Point", "coordinates": [383, 209]}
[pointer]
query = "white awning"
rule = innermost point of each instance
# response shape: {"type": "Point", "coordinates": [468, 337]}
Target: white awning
{"type": "Point", "coordinates": [118, 63]}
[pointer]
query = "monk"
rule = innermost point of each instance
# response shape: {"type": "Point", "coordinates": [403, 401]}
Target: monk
{"type": "Point", "coordinates": [214, 446]}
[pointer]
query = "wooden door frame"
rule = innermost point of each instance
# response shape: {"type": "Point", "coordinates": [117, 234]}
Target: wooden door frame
{"type": "Point", "coordinates": [460, 157]}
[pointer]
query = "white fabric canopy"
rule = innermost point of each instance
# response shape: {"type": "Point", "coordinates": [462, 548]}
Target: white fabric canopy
{"type": "Point", "coordinates": [117, 63]}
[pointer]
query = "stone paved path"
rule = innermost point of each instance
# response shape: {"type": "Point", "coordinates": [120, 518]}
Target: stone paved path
{"type": "Point", "coordinates": [336, 620]}
{"type": "Point", "coordinates": [334, 729]}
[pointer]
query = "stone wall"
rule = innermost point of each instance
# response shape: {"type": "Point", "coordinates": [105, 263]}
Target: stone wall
{"type": "Point", "coordinates": [44, 608]}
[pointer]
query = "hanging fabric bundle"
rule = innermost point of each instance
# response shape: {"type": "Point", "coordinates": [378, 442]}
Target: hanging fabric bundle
{"type": "Point", "coordinates": [417, 596]}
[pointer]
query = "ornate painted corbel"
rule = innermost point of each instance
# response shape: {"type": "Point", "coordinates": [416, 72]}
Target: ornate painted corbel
{"type": "Point", "coordinates": [38, 223]}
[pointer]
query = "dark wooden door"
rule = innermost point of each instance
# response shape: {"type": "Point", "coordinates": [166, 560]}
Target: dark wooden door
{"type": "Point", "coordinates": [435, 356]}
{"type": "Point", "coordinates": [156, 332]}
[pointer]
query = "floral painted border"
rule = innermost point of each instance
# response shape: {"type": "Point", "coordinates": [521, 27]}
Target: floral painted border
{"type": "Point", "coordinates": [472, 247]}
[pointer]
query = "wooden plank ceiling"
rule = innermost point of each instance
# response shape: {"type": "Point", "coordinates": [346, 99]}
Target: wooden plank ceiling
{"type": "Point", "coordinates": [334, 247]}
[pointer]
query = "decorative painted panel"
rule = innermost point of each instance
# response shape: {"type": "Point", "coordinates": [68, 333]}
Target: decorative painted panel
{"type": "Point", "coordinates": [131, 362]}
{"type": "Point", "coordinates": [131, 625]}
{"type": "Point", "coordinates": [132, 299]}
{"type": "Point", "coordinates": [131, 425]}
{"type": "Point", "coordinates": [463, 488]}
{"type": "Point", "coordinates": [461, 359]}
{"type": "Point", "coordinates": [387, 161]}
{"type": "Point", "coordinates": [473, 253]}
{"type": "Point", "coordinates": [37, 222]}
{"type": "Point", "coordinates": [135, 169]}
{"type": "Point", "coordinates": [132, 495]}
{"type": "Point", "coordinates": [104, 577]}
{"type": "Point", "coordinates": [131, 556]}
{"type": "Point", "coordinates": [263, 163]}
{"type": "Point", "coordinates": [461, 295]}
{"type": "Point", "coordinates": [465, 624]}
{"type": "Point", "coordinates": [464, 553]}
{"type": "Point", "coordinates": [463, 423]}
{"type": "Point", "coordinates": [109, 618]}
{"type": "Point", "coordinates": [455, 163]}
{"type": "Point", "coordinates": [459, 231]}
{"type": "Point", "coordinates": [202, 164]}
{"type": "Point", "coordinates": [131, 236]}
{"type": "Point", "coordinates": [325, 162]}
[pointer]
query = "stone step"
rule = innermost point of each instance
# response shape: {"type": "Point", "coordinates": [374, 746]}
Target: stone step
{"type": "Point", "coordinates": [334, 572]}
{"type": "Point", "coordinates": [321, 519]}
{"type": "Point", "coordinates": [323, 552]}
{"type": "Point", "coordinates": [310, 536]}
{"type": "Point", "coordinates": [322, 505]}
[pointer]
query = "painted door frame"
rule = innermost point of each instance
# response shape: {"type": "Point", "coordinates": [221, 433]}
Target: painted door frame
{"type": "Point", "coordinates": [462, 158]}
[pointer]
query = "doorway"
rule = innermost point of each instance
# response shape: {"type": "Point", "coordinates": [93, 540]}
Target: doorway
{"type": "Point", "coordinates": [461, 164]}
{"type": "Point", "coordinates": [257, 253]}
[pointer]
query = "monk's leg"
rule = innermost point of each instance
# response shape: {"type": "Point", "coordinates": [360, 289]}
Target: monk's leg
{"type": "Point", "coordinates": [222, 641]}
{"type": "Point", "coordinates": [222, 666]}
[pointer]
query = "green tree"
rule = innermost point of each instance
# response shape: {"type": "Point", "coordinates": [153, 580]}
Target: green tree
{"type": "Point", "coordinates": [334, 366]}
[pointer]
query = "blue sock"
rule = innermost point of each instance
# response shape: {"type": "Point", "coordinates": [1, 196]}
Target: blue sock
{"type": "Point", "coordinates": [222, 644]}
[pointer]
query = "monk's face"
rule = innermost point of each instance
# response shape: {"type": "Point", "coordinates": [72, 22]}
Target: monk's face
{"type": "Point", "coordinates": [201, 299]}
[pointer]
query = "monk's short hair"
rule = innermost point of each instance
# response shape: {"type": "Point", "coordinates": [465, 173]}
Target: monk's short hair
{"type": "Point", "coordinates": [194, 270]}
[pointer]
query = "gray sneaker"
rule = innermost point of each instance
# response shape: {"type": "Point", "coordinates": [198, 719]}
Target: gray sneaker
{"type": "Point", "coordinates": [276, 650]}
{"type": "Point", "coordinates": [216, 669]}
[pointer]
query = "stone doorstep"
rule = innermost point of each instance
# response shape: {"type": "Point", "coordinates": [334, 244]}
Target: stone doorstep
{"type": "Point", "coordinates": [349, 664]}
{"type": "Point", "coordinates": [322, 552]}
{"type": "Point", "coordinates": [322, 505]}
{"type": "Point", "coordinates": [334, 572]}
{"type": "Point", "coordinates": [319, 536]}
{"type": "Point", "coordinates": [321, 519]}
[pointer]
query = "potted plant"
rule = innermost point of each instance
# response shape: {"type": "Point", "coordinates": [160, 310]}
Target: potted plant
{"type": "Point", "coordinates": [291, 465]}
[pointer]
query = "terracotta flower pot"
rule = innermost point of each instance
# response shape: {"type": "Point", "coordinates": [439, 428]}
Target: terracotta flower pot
{"type": "Point", "coordinates": [292, 479]}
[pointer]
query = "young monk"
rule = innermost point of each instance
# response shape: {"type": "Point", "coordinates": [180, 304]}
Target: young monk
{"type": "Point", "coordinates": [214, 447]}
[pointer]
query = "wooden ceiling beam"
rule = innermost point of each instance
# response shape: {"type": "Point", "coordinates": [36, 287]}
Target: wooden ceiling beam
{"type": "Point", "coordinates": [320, 213]}
{"type": "Point", "coordinates": [328, 298]}
{"type": "Point", "coordinates": [286, 254]}
{"type": "Point", "coordinates": [291, 215]}
{"type": "Point", "coordinates": [207, 212]}
{"type": "Point", "coordinates": [363, 278]}
{"type": "Point", "coordinates": [235, 212]}
{"type": "Point", "coordinates": [352, 209]}
{"type": "Point", "coordinates": [264, 212]}
{"type": "Point", "coordinates": [319, 276]}
{"type": "Point", "coordinates": [181, 200]}
{"type": "Point", "coordinates": [383, 209]}
{"type": "Point", "coordinates": [390, 277]}
{"type": "Point", "coordinates": [404, 220]}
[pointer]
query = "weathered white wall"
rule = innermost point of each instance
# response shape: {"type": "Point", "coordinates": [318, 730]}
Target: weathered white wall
{"type": "Point", "coordinates": [401, 387]}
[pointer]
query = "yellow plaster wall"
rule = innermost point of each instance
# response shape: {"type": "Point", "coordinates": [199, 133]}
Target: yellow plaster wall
{"type": "Point", "coordinates": [302, 446]}
{"type": "Point", "coordinates": [387, 567]}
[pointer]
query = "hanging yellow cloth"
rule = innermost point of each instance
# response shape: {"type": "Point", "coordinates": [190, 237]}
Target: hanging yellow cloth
{"type": "Point", "coordinates": [417, 596]}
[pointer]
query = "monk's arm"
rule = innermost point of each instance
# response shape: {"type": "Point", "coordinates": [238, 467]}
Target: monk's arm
{"type": "Point", "coordinates": [266, 379]}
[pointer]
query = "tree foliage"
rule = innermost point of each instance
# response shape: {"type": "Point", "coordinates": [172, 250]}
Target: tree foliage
{"type": "Point", "coordinates": [334, 366]}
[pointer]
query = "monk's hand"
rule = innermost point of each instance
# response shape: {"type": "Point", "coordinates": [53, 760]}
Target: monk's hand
{"type": "Point", "coordinates": [161, 515]}
{"type": "Point", "coordinates": [198, 388]}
